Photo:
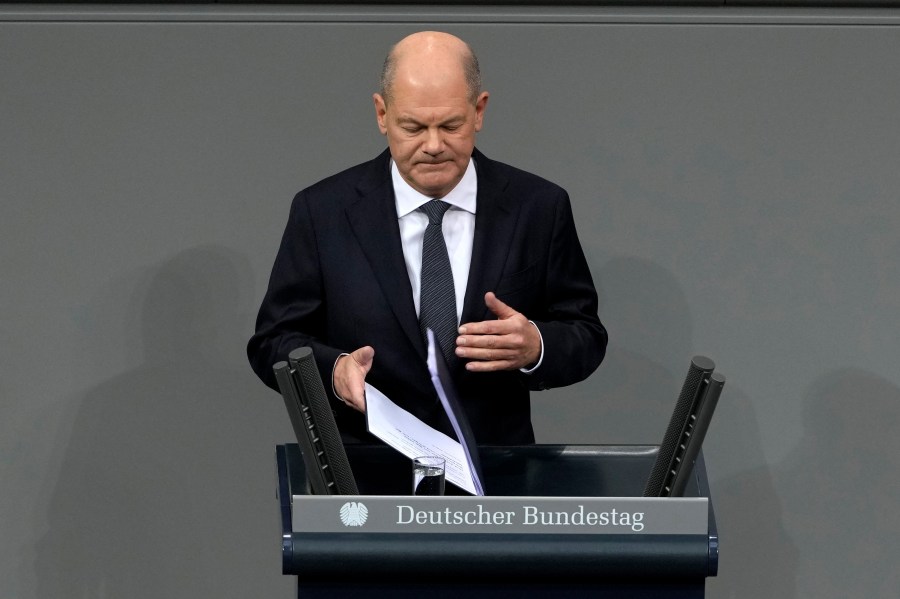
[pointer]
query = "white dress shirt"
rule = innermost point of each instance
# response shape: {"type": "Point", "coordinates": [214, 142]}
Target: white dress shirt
{"type": "Point", "coordinates": [458, 227]}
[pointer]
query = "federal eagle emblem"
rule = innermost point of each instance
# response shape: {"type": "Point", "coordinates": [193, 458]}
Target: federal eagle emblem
{"type": "Point", "coordinates": [354, 513]}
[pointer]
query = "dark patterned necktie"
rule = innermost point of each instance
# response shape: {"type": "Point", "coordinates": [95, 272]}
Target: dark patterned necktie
{"type": "Point", "coordinates": [437, 299]}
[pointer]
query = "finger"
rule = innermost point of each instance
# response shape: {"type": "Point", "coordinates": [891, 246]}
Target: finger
{"type": "Point", "coordinates": [489, 353]}
{"type": "Point", "coordinates": [356, 394]}
{"type": "Point", "coordinates": [358, 401]}
{"type": "Point", "coordinates": [472, 332]}
{"type": "Point", "coordinates": [350, 377]}
{"type": "Point", "coordinates": [492, 366]}
{"type": "Point", "coordinates": [364, 357]}
{"type": "Point", "coordinates": [510, 341]}
{"type": "Point", "coordinates": [490, 327]}
{"type": "Point", "coordinates": [500, 310]}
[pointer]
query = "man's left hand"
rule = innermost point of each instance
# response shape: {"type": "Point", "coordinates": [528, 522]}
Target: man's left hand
{"type": "Point", "coordinates": [508, 343]}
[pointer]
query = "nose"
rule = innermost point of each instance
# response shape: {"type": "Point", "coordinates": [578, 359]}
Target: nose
{"type": "Point", "coordinates": [433, 144]}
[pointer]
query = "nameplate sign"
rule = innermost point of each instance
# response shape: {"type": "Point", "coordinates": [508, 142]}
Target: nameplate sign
{"type": "Point", "coordinates": [501, 515]}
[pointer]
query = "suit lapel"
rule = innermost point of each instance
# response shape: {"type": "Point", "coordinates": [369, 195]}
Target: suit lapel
{"type": "Point", "coordinates": [375, 213]}
{"type": "Point", "coordinates": [373, 219]}
{"type": "Point", "coordinates": [496, 215]}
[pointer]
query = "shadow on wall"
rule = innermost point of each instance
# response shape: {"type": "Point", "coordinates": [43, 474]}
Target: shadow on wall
{"type": "Point", "coordinates": [757, 556]}
{"type": "Point", "coordinates": [650, 340]}
{"type": "Point", "coordinates": [651, 344]}
{"type": "Point", "coordinates": [835, 533]}
{"type": "Point", "coordinates": [841, 488]}
{"type": "Point", "coordinates": [166, 486]}
{"type": "Point", "coordinates": [630, 397]}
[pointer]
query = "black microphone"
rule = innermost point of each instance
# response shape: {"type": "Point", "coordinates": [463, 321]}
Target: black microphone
{"type": "Point", "coordinates": [327, 468]}
{"type": "Point", "coordinates": [694, 388]}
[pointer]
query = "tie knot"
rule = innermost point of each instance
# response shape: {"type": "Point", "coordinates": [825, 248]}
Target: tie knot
{"type": "Point", "coordinates": [435, 210]}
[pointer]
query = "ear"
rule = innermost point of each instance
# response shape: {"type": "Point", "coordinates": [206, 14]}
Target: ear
{"type": "Point", "coordinates": [480, 106]}
{"type": "Point", "coordinates": [380, 112]}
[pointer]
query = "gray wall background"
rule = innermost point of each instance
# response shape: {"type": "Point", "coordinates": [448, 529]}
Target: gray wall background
{"type": "Point", "coordinates": [734, 175]}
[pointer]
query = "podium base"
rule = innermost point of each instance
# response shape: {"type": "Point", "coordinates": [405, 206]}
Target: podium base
{"type": "Point", "coordinates": [502, 590]}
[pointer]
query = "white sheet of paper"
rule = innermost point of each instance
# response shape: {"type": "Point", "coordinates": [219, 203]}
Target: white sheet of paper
{"type": "Point", "coordinates": [413, 438]}
{"type": "Point", "coordinates": [451, 414]}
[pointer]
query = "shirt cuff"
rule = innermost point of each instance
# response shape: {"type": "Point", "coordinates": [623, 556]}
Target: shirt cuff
{"type": "Point", "coordinates": [333, 390]}
{"type": "Point", "coordinates": [540, 358]}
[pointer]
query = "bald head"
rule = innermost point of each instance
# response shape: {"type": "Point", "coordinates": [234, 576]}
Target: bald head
{"type": "Point", "coordinates": [430, 109]}
{"type": "Point", "coordinates": [427, 55]}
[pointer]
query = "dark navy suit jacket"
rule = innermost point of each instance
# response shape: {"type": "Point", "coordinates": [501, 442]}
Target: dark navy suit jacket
{"type": "Point", "coordinates": [339, 282]}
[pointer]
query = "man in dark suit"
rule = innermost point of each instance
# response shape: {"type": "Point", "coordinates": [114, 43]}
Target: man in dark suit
{"type": "Point", "coordinates": [350, 281]}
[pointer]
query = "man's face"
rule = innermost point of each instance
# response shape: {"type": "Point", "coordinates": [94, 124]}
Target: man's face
{"type": "Point", "coordinates": [430, 126]}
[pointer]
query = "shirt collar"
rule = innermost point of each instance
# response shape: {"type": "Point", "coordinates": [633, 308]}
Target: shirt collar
{"type": "Point", "coordinates": [409, 200]}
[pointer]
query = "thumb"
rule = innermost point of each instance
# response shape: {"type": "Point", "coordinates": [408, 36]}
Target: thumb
{"type": "Point", "coordinates": [364, 356]}
{"type": "Point", "coordinates": [500, 310]}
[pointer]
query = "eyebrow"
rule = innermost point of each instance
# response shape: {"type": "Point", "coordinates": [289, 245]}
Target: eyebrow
{"type": "Point", "coordinates": [408, 120]}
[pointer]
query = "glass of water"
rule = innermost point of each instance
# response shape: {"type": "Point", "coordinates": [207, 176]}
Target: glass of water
{"type": "Point", "coordinates": [428, 476]}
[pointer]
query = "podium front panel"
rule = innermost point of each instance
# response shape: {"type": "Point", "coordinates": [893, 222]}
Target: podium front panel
{"type": "Point", "coordinates": [580, 484]}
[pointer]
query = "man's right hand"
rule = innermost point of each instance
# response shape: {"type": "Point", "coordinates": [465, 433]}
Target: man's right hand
{"type": "Point", "coordinates": [350, 377]}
